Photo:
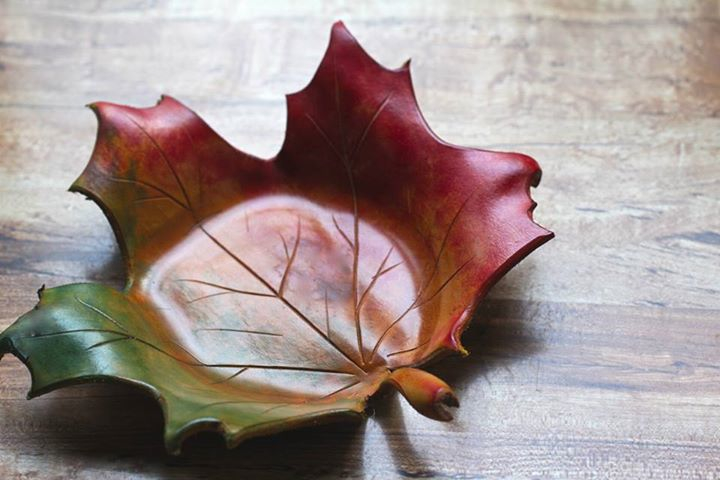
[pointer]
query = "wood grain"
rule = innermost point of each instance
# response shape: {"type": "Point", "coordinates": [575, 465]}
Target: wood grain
{"type": "Point", "coordinates": [597, 357]}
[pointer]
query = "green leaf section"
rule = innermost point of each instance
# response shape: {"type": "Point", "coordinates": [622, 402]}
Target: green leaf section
{"type": "Point", "coordinates": [69, 338]}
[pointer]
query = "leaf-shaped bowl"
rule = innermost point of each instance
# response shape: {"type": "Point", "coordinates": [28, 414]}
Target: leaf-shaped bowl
{"type": "Point", "coordinates": [267, 294]}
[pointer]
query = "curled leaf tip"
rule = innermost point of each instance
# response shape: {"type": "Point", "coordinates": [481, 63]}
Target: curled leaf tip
{"type": "Point", "coordinates": [427, 394]}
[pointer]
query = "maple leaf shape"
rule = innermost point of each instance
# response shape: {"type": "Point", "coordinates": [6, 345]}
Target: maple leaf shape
{"type": "Point", "coordinates": [264, 295]}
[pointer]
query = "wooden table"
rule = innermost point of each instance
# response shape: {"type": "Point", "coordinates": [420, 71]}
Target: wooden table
{"type": "Point", "coordinates": [598, 356]}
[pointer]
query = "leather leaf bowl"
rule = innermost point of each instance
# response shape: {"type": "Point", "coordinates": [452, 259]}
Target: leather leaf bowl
{"type": "Point", "coordinates": [267, 294]}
